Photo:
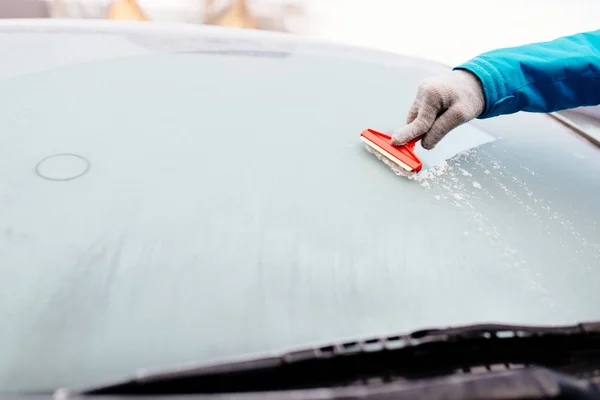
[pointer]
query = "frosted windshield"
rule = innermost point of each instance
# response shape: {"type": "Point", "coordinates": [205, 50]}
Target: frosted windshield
{"type": "Point", "coordinates": [229, 208]}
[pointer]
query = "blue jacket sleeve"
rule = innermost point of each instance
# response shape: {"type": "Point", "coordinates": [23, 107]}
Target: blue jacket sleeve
{"type": "Point", "coordinates": [540, 77]}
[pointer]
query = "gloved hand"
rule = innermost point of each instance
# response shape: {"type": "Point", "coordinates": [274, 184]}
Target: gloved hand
{"type": "Point", "coordinates": [442, 104]}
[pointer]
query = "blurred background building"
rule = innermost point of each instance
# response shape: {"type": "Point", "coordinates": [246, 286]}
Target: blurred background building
{"type": "Point", "coordinates": [251, 14]}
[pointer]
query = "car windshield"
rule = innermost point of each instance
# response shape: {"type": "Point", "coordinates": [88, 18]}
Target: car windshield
{"type": "Point", "coordinates": [169, 197]}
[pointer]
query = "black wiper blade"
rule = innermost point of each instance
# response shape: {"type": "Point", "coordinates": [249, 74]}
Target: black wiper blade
{"type": "Point", "coordinates": [421, 354]}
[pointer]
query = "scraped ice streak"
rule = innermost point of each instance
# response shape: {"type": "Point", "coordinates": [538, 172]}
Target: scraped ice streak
{"type": "Point", "coordinates": [444, 176]}
{"type": "Point", "coordinates": [449, 178]}
{"type": "Point", "coordinates": [525, 202]}
{"type": "Point", "coordinates": [449, 184]}
{"type": "Point", "coordinates": [460, 195]}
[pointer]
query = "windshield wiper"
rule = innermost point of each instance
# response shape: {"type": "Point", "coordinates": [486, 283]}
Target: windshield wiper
{"type": "Point", "coordinates": [460, 353]}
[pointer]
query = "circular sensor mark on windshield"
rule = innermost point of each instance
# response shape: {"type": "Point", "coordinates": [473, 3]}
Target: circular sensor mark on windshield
{"type": "Point", "coordinates": [62, 167]}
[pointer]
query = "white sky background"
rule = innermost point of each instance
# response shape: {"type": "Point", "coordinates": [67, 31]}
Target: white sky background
{"type": "Point", "coordinates": [448, 31]}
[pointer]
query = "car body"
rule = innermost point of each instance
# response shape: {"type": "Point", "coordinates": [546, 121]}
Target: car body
{"type": "Point", "coordinates": [175, 193]}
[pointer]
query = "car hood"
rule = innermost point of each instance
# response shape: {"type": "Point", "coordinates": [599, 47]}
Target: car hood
{"type": "Point", "coordinates": [175, 193]}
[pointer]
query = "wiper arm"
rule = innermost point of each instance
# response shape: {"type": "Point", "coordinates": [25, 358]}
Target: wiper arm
{"type": "Point", "coordinates": [418, 355]}
{"type": "Point", "coordinates": [569, 123]}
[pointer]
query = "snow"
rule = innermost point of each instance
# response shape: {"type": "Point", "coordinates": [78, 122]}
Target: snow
{"type": "Point", "coordinates": [423, 175]}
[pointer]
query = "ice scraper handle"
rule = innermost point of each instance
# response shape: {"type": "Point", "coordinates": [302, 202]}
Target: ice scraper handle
{"type": "Point", "coordinates": [442, 103]}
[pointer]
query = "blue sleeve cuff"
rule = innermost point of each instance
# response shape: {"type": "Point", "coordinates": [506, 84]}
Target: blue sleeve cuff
{"type": "Point", "coordinates": [494, 87]}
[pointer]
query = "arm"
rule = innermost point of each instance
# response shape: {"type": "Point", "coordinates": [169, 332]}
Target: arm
{"type": "Point", "coordinates": [540, 77]}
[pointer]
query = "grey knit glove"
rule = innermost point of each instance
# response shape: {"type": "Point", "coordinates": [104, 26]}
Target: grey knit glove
{"type": "Point", "coordinates": [442, 104]}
